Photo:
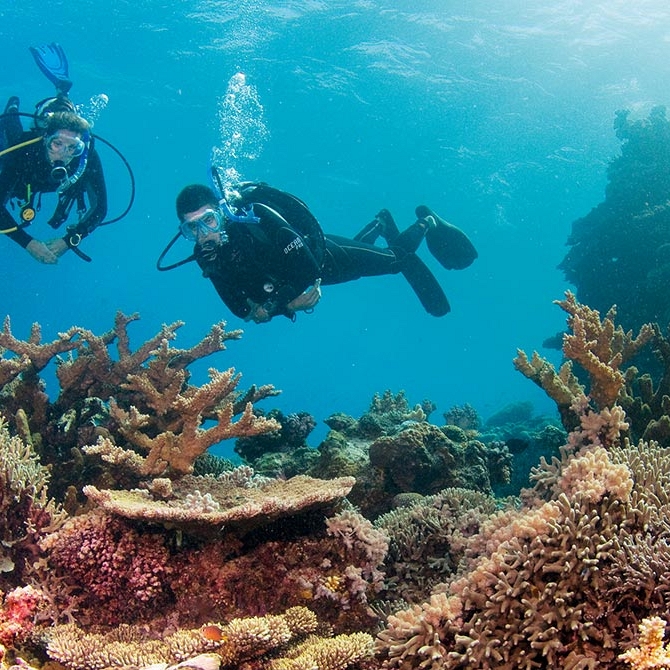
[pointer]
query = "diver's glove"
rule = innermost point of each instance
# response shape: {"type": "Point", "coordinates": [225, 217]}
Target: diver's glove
{"type": "Point", "coordinates": [307, 300]}
{"type": "Point", "coordinates": [41, 252]}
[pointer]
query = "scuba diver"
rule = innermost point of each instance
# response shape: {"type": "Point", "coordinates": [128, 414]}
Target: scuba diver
{"type": "Point", "coordinates": [266, 255]}
{"type": "Point", "coordinates": [56, 155]}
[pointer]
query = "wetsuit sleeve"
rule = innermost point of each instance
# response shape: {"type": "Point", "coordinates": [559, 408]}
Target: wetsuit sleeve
{"type": "Point", "coordinates": [93, 186]}
{"type": "Point", "coordinates": [9, 179]}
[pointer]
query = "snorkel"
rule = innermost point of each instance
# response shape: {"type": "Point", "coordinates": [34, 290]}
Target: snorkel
{"type": "Point", "coordinates": [247, 215]}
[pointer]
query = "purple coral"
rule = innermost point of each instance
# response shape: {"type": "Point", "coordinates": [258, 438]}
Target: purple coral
{"type": "Point", "coordinates": [117, 567]}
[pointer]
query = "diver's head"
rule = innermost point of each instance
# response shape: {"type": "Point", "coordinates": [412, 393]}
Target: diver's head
{"type": "Point", "coordinates": [200, 217]}
{"type": "Point", "coordinates": [65, 136]}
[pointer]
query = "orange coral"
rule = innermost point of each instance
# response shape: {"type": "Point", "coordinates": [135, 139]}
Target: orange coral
{"type": "Point", "coordinates": [651, 654]}
{"type": "Point", "coordinates": [598, 346]}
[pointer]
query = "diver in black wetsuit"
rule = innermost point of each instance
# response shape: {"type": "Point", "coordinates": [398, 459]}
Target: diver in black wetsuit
{"type": "Point", "coordinates": [55, 155]}
{"type": "Point", "coordinates": [265, 254]}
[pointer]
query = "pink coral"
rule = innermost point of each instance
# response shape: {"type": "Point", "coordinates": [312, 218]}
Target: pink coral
{"type": "Point", "coordinates": [17, 614]}
{"type": "Point", "coordinates": [119, 568]}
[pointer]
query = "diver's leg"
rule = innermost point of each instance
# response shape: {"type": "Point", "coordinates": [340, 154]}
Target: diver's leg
{"type": "Point", "coordinates": [346, 260]}
{"type": "Point", "coordinates": [383, 224]}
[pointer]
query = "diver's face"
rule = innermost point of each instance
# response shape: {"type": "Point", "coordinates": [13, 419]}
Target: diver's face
{"type": "Point", "coordinates": [204, 225]}
{"type": "Point", "coordinates": [63, 146]}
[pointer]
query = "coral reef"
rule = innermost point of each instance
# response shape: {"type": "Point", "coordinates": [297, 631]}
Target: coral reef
{"type": "Point", "coordinates": [393, 449]}
{"type": "Point", "coordinates": [140, 401]}
{"type": "Point", "coordinates": [620, 251]}
{"type": "Point", "coordinates": [231, 644]}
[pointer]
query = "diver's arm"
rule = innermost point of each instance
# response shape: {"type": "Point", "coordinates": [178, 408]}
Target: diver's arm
{"type": "Point", "coordinates": [96, 191]}
{"type": "Point", "coordinates": [8, 181]}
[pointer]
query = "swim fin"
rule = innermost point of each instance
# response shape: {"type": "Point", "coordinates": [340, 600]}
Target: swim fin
{"type": "Point", "coordinates": [51, 59]}
{"type": "Point", "coordinates": [424, 284]}
{"type": "Point", "coordinates": [449, 244]}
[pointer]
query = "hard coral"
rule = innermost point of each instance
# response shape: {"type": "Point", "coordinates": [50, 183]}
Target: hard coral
{"type": "Point", "coordinates": [598, 347]}
{"type": "Point", "coordinates": [651, 654]}
{"type": "Point", "coordinates": [123, 572]}
{"type": "Point", "coordinates": [139, 401]}
{"type": "Point", "coordinates": [262, 640]}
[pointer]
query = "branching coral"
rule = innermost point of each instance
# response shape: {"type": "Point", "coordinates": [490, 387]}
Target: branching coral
{"type": "Point", "coordinates": [561, 581]}
{"type": "Point", "coordinates": [126, 645]}
{"type": "Point", "coordinates": [598, 347]}
{"type": "Point", "coordinates": [139, 400]}
{"type": "Point", "coordinates": [651, 654]}
{"type": "Point", "coordinates": [428, 540]}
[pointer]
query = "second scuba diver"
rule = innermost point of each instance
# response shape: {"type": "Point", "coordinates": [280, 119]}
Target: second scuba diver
{"type": "Point", "coordinates": [55, 155]}
{"type": "Point", "coordinates": [265, 253]}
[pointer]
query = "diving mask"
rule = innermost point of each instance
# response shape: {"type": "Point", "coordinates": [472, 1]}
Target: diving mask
{"type": "Point", "coordinates": [65, 144]}
{"type": "Point", "coordinates": [210, 221]}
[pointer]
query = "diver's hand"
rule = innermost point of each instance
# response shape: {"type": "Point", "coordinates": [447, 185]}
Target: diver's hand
{"type": "Point", "coordinates": [41, 252]}
{"type": "Point", "coordinates": [306, 300]}
{"type": "Point", "coordinates": [57, 246]}
{"type": "Point", "coordinates": [257, 313]}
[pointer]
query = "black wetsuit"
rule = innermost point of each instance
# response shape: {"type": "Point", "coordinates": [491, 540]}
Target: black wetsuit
{"type": "Point", "coordinates": [270, 264]}
{"type": "Point", "coordinates": [26, 173]}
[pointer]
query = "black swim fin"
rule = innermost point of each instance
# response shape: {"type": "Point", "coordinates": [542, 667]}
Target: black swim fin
{"type": "Point", "coordinates": [424, 284]}
{"type": "Point", "coordinates": [51, 59]}
{"type": "Point", "coordinates": [450, 245]}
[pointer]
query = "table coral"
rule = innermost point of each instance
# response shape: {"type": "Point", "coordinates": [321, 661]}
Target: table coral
{"type": "Point", "coordinates": [237, 506]}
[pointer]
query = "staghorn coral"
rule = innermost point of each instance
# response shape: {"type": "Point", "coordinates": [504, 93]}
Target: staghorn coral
{"type": "Point", "coordinates": [180, 416]}
{"type": "Point", "coordinates": [598, 347]}
{"type": "Point", "coordinates": [651, 654]}
{"type": "Point", "coordinates": [139, 401]}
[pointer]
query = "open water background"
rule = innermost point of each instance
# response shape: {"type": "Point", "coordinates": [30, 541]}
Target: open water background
{"type": "Point", "coordinates": [497, 115]}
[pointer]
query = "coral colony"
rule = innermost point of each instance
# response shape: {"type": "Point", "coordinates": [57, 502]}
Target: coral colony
{"type": "Point", "coordinates": [125, 545]}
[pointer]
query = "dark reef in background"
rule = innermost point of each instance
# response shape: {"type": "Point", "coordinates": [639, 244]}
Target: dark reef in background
{"type": "Point", "coordinates": [620, 251]}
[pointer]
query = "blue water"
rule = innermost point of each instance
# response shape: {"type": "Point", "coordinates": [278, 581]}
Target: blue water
{"type": "Point", "coordinates": [497, 115]}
